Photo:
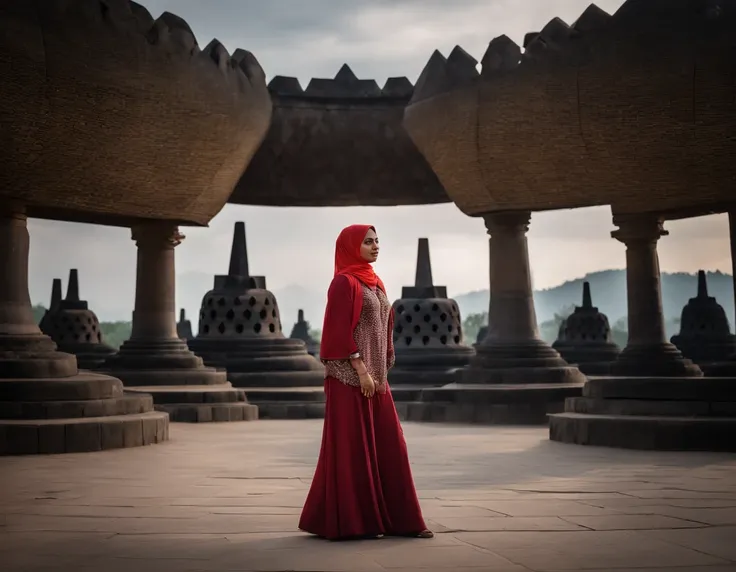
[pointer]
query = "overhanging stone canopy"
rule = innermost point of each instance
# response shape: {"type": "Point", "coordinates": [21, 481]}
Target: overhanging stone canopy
{"type": "Point", "coordinates": [339, 142]}
{"type": "Point", "coordinates": [562, 124]}
{"type": "Point", "coordinates": [114, 116]}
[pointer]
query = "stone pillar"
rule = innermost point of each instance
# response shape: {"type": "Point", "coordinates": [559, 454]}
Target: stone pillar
{"type": "Point", "coordinates": [511, 313]}
{"type": "Point", "coordinates": [732, 240]}
{"type": "Point", "coordinates": [46, 405]}
{"type": "Point", "coordinates": [512, 351]}
{"type": "Point", "coordinates": [648, 353]}
{"type": "Point", "coordinates": [154, 316]}
{"type": "Point", "coordinates": [155, 359]}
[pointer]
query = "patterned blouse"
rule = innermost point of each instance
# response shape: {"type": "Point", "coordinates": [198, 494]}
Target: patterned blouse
{"type": "Point", "coordinates": [371, 336]}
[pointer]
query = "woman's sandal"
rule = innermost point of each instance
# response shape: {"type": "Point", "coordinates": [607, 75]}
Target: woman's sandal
{"type": "Point", "coordinates": [426, 534]}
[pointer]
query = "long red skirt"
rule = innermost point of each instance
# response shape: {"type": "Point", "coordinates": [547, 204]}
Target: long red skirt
{"type": "Point", "coordinates": [363, 484]}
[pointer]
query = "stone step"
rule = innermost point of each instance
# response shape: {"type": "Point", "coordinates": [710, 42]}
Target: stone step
{"type": "Point", "coordinates": [645, 432]}
{"type": "Point", "coordinates": [83, 435]}
{"type": "Point", "coordinates": [291, 410]}
{"type": "Point", "coordinates": [86, 385]}
{"type": "Point", "coordinates": [285, 394]}
{"type": "Point", "coordinates": [126, 405]}
{"type": "Point", "coordinates": [311, 378]}
{"type": "Point", "coordinates": [209, 412]}
{"type": "Point", "coordinates": [162, 395]}
{"type": "Point", "coordinates": [531, 413]}
{"type": "Point", "coordinates": [662, 388]}
{"type": "Point", "coordinates": [645, 407]}
{"type": "Point", "coordinates": [510, 393]}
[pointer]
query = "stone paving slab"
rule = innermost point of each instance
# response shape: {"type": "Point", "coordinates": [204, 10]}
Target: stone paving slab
{"type": "Point", "coordinates": [228, 497]}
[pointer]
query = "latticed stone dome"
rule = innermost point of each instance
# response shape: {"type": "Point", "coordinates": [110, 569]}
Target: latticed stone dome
{"type": "Point", "coordinates": [428, 332]}
{"type": "Point", "coordinates": [253, 312]}
{"type": "Point", "coordinates": [430, 322]}
{"type": "Point", "coordinates": [240, 330]}
{"type": "Point", "coordinates": [73, 326]}
{"type": "Point", "coordinates": [585, 338]}
{"type": "Point", "coordinates": [705, 335]}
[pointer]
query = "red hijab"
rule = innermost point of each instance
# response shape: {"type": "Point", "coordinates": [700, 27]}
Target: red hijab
{"type": "Point", "coordinates": [345, 296]}
{"type": "Point", "coordinates": [348, 260]}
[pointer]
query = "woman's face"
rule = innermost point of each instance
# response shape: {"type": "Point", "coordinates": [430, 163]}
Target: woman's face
{"type": "Point", "coordinates": [369, 248]}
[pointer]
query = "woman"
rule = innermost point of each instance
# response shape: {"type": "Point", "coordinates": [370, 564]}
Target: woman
{"type": "Point", "coordinates": [363, 485]}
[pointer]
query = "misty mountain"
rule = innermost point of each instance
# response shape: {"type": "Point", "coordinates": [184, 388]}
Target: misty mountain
{"type": "Point", "coordinates": [608, 289]}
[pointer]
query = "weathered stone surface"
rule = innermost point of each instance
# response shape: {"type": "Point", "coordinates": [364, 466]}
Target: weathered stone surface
{"type": "Point", "coordinates": [500, 500]}
{"type": "Point", "coordinates": [46, 404]}
{"type": "Point", "coordinates": [705, 336]}
{"type": "Point", "coordinates": [585, 338]}
{"type": "Point", "coordinates": [512, 351]}
{"type": "Point", "coordinates": [589, 85]}
{"type": "Point", "coordinates": [349, 128]}
{"type": "Point", "coordinates": [155, 356]}
{"type": "Point", "coordinates": [240, 330]}
{"type": "Point", "coordinates": [300, 331]}
{"type": "Point", "coordinates": [92, 91]}
{"type": "Point", "coordinates": [647, 353]}
{"type": "Point", "coordinates": [644, 432]}
{"type": "Point", "coordinates": [428, 335]}
{"type": "Point", "coordinates": [74, 327]}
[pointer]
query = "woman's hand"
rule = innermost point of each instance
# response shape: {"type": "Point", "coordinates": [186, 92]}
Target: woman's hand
{"type": "Point", "coordinates": [367, 385]}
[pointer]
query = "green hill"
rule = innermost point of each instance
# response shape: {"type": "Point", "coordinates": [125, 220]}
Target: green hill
{"type": "Point", "coordinates": [608, 288]}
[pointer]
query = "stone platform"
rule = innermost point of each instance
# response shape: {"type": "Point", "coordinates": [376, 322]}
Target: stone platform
{"type": "Point", "coordinates": [219, 498]}
{"type": "Point", "coordinates": [651, 413]}
{"type": "Point", "coordinates": [82, 413]}
{"type": "Point", "coordinates": [288, 402]}
{"type": "Point", "coordinates": [512, 404]}
{"type": "Point", "coordinates": [201, 404]}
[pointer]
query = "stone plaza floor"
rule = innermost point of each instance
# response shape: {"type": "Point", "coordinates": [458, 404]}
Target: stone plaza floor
{"type": "Point", "coordinates": [227, 496]}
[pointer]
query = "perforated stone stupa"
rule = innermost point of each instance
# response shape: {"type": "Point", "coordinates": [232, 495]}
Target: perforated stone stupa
{"type": "Point", "coordinates": [240, 330]}
{"type": "Point", "coordinates": [705, 336]}
{"type": "Point", "coordinates": [74, 327]}
{"type": "Point", "coordinates": [155, 360]}
{"type": "Point", "coordinates": [428, 334]}
{"type": "Point", "coordinates": [300, 331]}
{"type": "Point", "coordinates": [585, 338]}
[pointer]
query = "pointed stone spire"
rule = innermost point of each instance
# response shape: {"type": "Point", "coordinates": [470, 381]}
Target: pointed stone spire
{"type": "Point", "coordinates": [346, 75]}
{"type": "Point", "coordinates": [587, 298]}
{"type": "Point", "coordinates": [239, 252]}
{"type": "Point", "coordinates": [55, 294]}
{"type": "Point", "coordinates": [702, 285]}
{"type": "Point", "coordinates": [238, 274]}
{"type": "Point", "coordinates": [300, 316]}
{"type": "Point", "coordinates": [423, 283]}
{"type": "Point", "coordinates": [423, 277]}
{"type": "Point", "coordinates": [184, 326]}
{"type": "Point", "coordinates": [72, 288]}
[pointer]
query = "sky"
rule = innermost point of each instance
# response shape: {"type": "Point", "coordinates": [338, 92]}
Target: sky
{"type": "Point", "coordinates": [293, 247]}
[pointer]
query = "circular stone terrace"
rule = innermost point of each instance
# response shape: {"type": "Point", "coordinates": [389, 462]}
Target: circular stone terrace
{"type": "Point", "coordinates": [228, 497]}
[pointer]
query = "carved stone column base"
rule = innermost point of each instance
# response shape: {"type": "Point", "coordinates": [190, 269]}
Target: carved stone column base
{"type": "Point", "coordinates": [179, 382]}
{"type": "Point", "coordinates": [662, 359]}
{"type": "Point", "coordinates": [46, 404]}
{"type": "Point", "coordinates": [654, 413]}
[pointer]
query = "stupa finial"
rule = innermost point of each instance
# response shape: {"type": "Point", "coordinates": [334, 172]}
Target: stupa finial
{"type": "Point", "coordinates": [55, 294]}
{"type": "Point", "coordinates": [239, 252]}
{"type": "Point", "coordinates": [72, 288]}
{"type": "Point", "coordinates": [423, 277]}
{"type": "Point", "coordinates": [587, 298]}
{"type": "Point", "coordinates": [702, 284]}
